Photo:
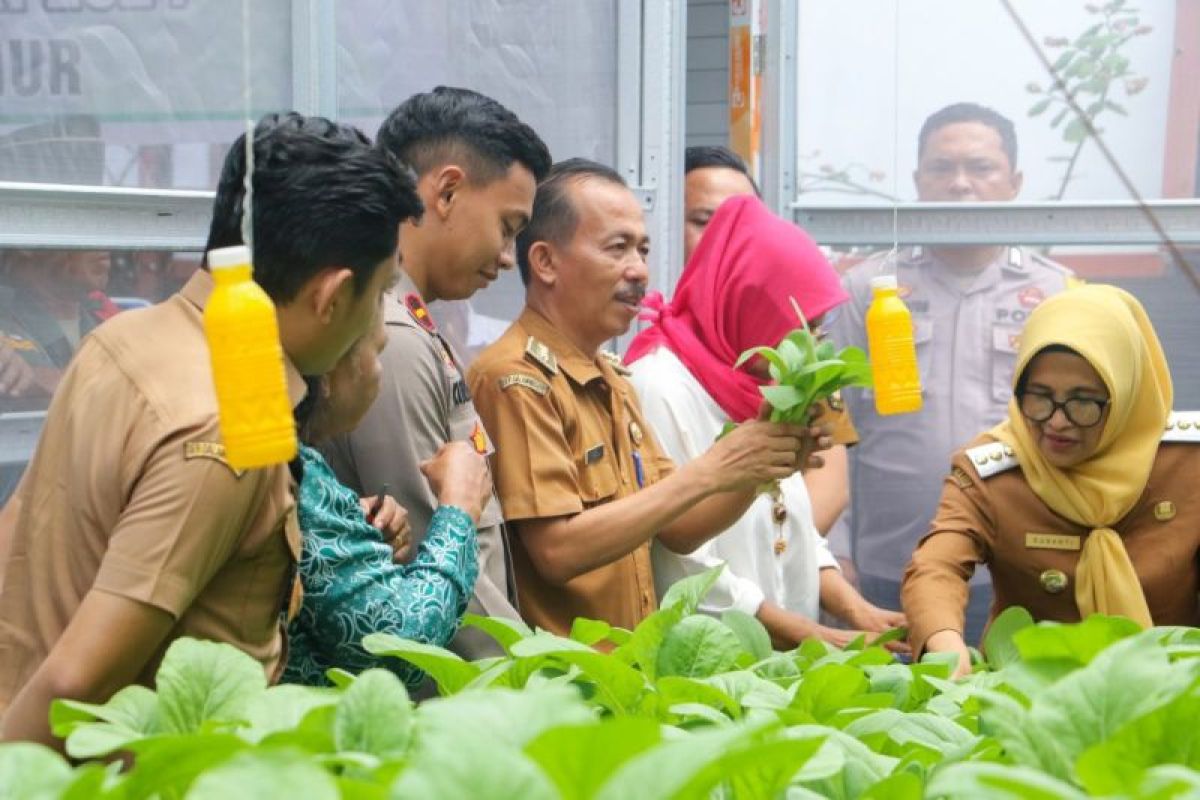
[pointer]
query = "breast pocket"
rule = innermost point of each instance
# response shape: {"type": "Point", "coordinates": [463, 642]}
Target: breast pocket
{"type": "Point", "coordinates": [597, 477]}
{"type": "Point", "coordinates": [1005, 341]}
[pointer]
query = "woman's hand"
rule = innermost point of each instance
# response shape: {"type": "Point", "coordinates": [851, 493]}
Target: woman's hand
{"type": "Point", "coordinates": [873, 618]}
{"type": "Point", "coordinates": [459, 477]}
{"type": "Point", "coordinates": [391, 519]}
{"type": "Point", "coordinates": [949, 641]}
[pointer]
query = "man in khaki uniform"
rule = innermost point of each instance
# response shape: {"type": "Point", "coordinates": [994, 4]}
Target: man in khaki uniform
{"type": "Point", "coordinates": [129, 529]}
{"type": "Point", "coordinates": [478, 169]}
{"type": "Point", "coordinates": [580, 477]}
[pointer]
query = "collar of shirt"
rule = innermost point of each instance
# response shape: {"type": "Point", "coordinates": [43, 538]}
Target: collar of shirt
{"type": "Point", "coordinates": [571, 360]}
{"type": "Point", "coordinates": [197, 291]}
{"type": "Point", "coordinates": [985, 279]}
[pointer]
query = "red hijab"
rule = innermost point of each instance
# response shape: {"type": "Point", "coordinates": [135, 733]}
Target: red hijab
{"type": "Point", "coordinates": [733, 295]}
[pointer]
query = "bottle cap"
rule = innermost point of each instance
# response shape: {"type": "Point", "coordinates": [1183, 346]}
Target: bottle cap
{"type": "Point", "coordinates": [225, 257]}
{"type": "Point", "coordinates": [882, 282]}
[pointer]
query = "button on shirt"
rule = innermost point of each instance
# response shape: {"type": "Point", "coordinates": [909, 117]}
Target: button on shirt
{"type": "Point", "coordinates": [128, 494]}
{"type": "Point", "coordinates": [566, 428]}
{"type": "Point", "coordinates": [966, 335]}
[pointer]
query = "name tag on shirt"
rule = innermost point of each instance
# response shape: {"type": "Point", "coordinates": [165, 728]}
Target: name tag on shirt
{"type": "Point", "coordinates": [1051, 541]}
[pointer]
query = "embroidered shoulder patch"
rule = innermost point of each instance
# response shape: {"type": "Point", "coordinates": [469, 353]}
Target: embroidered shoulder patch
{"type": "Point", "coordinates": [960, 477]}
{"type": "Point", "coordinates": [615, 362]}
{"type": "Point", "coordinates": [528, 381]}
{"type": "Point", "coordinates": [211, 450]}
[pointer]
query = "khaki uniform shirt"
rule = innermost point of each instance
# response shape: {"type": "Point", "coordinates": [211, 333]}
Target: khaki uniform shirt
{"type": "Point", "coordinates": [423, 404]}
{"type": "Point", "coordinates": [966, 342]}
{"type": "Point", "coordinates": [566, 429]}
{"type": "Point", "coordinates": [989, 515]}
{"type": "Point", "coordinates": [128, 493]}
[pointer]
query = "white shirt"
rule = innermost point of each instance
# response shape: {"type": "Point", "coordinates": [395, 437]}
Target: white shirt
{"type": "Point", "coordinates": [686, 422]}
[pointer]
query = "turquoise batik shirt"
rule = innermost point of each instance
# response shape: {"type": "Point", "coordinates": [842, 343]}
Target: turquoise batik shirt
{"type": "Point", "coordinates": [352, 587]}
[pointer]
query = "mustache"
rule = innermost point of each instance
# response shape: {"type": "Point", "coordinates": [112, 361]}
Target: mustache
{"type": "Point", "coordinates": [633, 293]}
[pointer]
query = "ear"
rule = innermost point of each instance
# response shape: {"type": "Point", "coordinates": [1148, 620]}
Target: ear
{"type": "Point", "coordinates": [445, 184]}
{"type": "Point", "coordinates": [1018, 179]}
{"type": "Point", "coordinates": [543, 267]}
{"type": "Point", "coordinates": [329, 289]}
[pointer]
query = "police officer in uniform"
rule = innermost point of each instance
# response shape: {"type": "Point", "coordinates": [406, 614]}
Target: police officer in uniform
{"type": "Point", "coordinates": [581, 478]}
{"type": "Point", "coordinates": [968, 305]}
{"type": "Point", "coordinates": [478, 168]}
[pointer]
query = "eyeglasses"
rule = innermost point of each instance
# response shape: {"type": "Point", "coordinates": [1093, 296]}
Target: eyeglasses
{"type": "Point", "coordinates": [1083, 412]}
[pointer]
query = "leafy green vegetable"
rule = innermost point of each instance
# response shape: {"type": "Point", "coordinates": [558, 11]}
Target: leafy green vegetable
{"type": "Point", "coordinates": [806, 370]}
{"type": "Point", "coordinates": [686, 706]}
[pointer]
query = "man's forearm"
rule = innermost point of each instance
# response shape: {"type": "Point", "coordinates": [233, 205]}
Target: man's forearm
{"type": "Point", "coordinates": [563, 548]}
{"type": "Point", "coordinates": [706, 519]}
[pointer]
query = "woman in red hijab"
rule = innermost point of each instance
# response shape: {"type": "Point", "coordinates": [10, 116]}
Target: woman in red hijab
{"type": "Point", "coordinates": [736, 293]}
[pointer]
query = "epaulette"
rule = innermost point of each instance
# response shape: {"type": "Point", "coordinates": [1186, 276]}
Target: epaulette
{"type": "Point", "coordinates": [992, 458]}
{"type": "Point", "coordinates": [540, 354]}
{"type": "Point", "coordinates": [1182, 426]}
{"type": "Point", "coordinates": [417, 310]}
{"type": "Point", "coordinates": [615, 362]}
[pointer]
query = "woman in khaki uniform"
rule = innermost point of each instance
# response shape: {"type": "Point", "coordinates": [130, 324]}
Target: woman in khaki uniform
{"type": "Point", "coordinates": [1083, 501]}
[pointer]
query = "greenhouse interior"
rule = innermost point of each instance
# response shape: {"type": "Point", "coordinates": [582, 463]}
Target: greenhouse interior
{"type": "Point", "coordinates": [600, 399]}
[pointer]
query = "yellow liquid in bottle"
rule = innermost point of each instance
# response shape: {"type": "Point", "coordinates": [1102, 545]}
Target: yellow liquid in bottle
{"type": "Point", "coordinates": [893, 353]}
{"type": "Point", "coordinates": [256, 421]}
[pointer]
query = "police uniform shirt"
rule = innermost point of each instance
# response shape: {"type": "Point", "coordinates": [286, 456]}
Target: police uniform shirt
{"type": "Point", "coordinates": [966, 340]}
{"type": "Point", "coordinates": [424, 403]}
{"type": "Point", "coordinates": [569, 435]}
{"type": "Point", "coordinates": [128, 493]}
{"type": "Point", "coordinates": [988, 514]}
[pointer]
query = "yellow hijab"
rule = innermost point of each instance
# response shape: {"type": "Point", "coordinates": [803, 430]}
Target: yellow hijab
{"type": "Point", "coordinates": [1110, 329]}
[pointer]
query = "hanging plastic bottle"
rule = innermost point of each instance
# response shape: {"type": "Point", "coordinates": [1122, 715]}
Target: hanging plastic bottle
{"type": "Point", "coordinates": [892, 351]}
{"type": "Point", "coordinates": [256, 420]}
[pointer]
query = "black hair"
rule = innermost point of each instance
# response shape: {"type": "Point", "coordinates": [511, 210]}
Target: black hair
{"type": "Point", "coordinates": [554, 217]}
{"type": "Point", "coordinates": [971, 112]}
{"type": "Point", "coordinates": [323, 197]}
{"type": "Point", "coordinates": [1050, 348]}
{"type": "Point", "coordinates": [707, 156]}
{"type": "Point", "coordinates": [451, 124]}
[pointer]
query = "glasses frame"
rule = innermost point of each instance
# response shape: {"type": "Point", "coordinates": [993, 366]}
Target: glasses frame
{"type": "Point", "coordinates": [1055, 405]}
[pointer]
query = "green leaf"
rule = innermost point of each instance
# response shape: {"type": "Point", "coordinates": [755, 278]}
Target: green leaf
{"type": "Point", "coordinates": [1063, 60]}
{"type": "Point", "coordinates": [674, 690]}
{"type": "Point", "coordinates": [998, 644]}
{"type": "Point", "coordinates": [589, 631]}
{"type": "Point", "coordinates": [374, 716]}
{"type": "Point", "coordinates": [203, 682]}
{"type": "Point", "coordinates": [473, 766]}
{"type": "Point", "coordinates": [499, 716]}
{"type": "Point", "coordinates": [897, 786]}
{"type": "Point", "coordinates": [782, 398]}
{"type": "Point", "coordinates": [1079, 643]}
{"type": "Point", "coordinates": [580, 758]}
{"type": "Point", "coordinates": [750, 633]}
{"type": "Point", "coordinates": [824, 691]}
{"type": "Point", "coordinates": [769, 354]}
{"type": "Point", "coordinates": [749, 690]}
{"type": "Point", "coordinates": [699, 646]}
{"type": "Point", "coordinates": [505, 631]}
{"type": "Point", "coordinates": [1169, 782]}
{"type": "Point", "coordinates": [945, 736]}
{"type": "Point", "coordinates": [1075, 132]}
{"type": "Point", "coordinates": [1166, 735]}
{"type": "Point", "coordinates": [793, 356]}
{"type": "Point", "coordinates": [618, 686]}
{"type": "Point", "coordinates": [687, 593]}
{"type": "Point", "coordinates": [131, 714]}
{"type": "Point", "coordinates": [692, 767]}
{"type": "Point", "coordinates": [282, 708]}
{"type": "Point", "coordinates": [1120, 684]}
{"type": "Point", "coordinates": [1117, 107]}
{"type": "Point", "coordinates": [31, 772]}
{"type": "Point", "coordinates": [265, 773]}
{"type": "Point", "coordinates": [843, 768]}
{"type": "Point", "coordinates": [1060, 116]}
{"type": "Point", "coordinates": [167, 766]}
{"type": "Point", "coordinates": [643, 646]}
{"type": "Point", "coordinates": [1040, 106]}
{"type": "Point", "coordinates": [981, 781]}
{"type": "Point", "coordinates": [448, 669]}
